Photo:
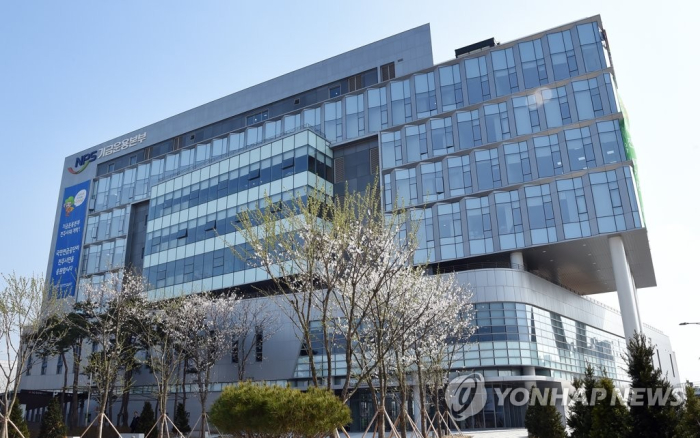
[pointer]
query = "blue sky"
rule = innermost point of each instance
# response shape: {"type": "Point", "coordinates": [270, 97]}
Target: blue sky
{"type": "Point", "coordinates": [78, 73]}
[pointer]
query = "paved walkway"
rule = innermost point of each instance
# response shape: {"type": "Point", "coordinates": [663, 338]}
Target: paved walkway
{"type": "Point", "coordinates": [507, 433]}
{"type": "Point", "coordinates": [503, 433]}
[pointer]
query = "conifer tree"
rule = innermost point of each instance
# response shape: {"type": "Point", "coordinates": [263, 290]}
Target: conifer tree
{"type": "Point", "coordinates": [182, 419]}
{"type": "Point", "coordinates": [689, 425]}
{"type": "Point", "coordinates": [52, 425]}
{"type": "Point", "coordinates": [147, 420]}
{"type": "Point", "coordinates": [580, 418]}
{"type": "Point", "coordinates": [610, 415]}
{"type": "Point", "coordinates": [542, 419]}
{"type": "Point", "coordinates": [17, 418]}
{"type": "Point", "coordinates": [650, 418]}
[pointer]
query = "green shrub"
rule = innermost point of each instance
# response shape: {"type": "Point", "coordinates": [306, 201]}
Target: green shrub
{"type": "Point", "coordinates": [249, 410]}
{"type": "Point", "coordinates": [52, 425]}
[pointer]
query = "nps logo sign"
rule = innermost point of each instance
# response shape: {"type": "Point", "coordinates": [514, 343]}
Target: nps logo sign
{"type": "Point", "coordinates": [82, 162]}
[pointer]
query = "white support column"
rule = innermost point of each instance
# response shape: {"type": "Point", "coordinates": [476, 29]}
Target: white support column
{"type": "Point", "coordinates": [516, 260]}
{"type": "Point", "coordinates": [626, 291]}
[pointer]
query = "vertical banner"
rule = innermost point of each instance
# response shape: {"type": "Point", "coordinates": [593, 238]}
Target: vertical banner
{"type": "Point", "coordinates": [69, 240]}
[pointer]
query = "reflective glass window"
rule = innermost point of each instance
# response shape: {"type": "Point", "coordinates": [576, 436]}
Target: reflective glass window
{"type": "Point", "coordinates": [272, 130]}
{"type": "Point", "coordinates": [441, 136]}
{"type": "Point", "coordinates": [527, 118]}
{"type": "Point", "coordinates": [333, 121]}
{"type": "Point", "coordinates": [291, 122]}
{"type": "Point", "coordinates": [556, 107]}
{"type": "Point", "coordinates": [574, 211]}
{"type": "Point", "coordinates": [548, 156]}
{"type": "Point", "coordinates": [505, 78]}
{"type": "Point", "coordinates": [459, 175]}
{"type": "Point", "coordinates": [141, 187]}
{"type": "Point", "coordinates": [252, 136]}
{"type": "Point", "coordinates": [469, 129]}
{"type": "Point", "coordinates": [561, 50]}
{"type": "Point", "coordinates": [540, 214]}
{"type": "Point", "coordinates": [532, 60]}
{"type": "Point", "coordinates": [588, 102]}
{"type": "Point", "coordinates": [450, 231]}
{"type": "Point", "coordinates": [510, 221]}
{"type": "Point", "coordinates": [236, 141]}
{"type": "Point", "coordinates": [607, 199]}
{"type": "Point", "coordinates": [580, 148]}
{"type": "Point", "coordinates": [479, 226]}
{"type": "Point", "coordinates": [388, 193]}
{"type": "Point", "coordinates": [517, 162]}
{"type": "Point", "coordinates": [450, 87]}
{"type": "Point", "coordinates": [488, 172]}
{"type": "Point", "coordinates": [401, 111]}
{"type": "Point", "coordinates": [312, 117]}
{"type": "Point", "coordinates": [431, 182]}
{"type": "Point", "coordinates": [591, 46]}
{"type": "Point", "coordinates": [612, 93]}
{"type": "Point", "coordinates": [377, 109]}
{"type": "Point", "coordinates": [611, 141]}
{"type": "Point", "coordinates": [477, 80]}
{"type": "Point", "coordinates": [406, 186]}
{"type": "Point", "coordinates": [355, 115]}
{"type": "Point", "coordinates": [423, 220]}
{"type": "Point", "coordinates": [426, 101]}
{"type": "Point", "coordinates": [416, 143]}
{"type": "Point", "coordinates": [496, 118]}
{"type": "Point", "coordinates": [391, 149]}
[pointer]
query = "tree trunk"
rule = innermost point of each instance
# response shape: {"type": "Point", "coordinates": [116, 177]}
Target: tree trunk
{"type": "Point", "coordinates": [73, 417]}
{"type": "Point", "coordinates": [65, 385]}
{"type": "Point", "coordinates": [327, 343]}
{"type": "Point", "coordinates": [100, 423]}
{"type": "Point", "coordinates": [184, 382]}
{"type": "Point", "coordinates": [438, 411]}
{"type": "Point", "coordinates": [123, 415]}
{"type": "Point", "coordinates": [203, 395]}
{"type": "Point", "coordinates": [421, 403]}
{"type": "Point", "coordinates": [177, 389]}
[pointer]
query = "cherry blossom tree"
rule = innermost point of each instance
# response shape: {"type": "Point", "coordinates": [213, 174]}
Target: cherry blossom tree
{"type": "Point", "coordinates": [111, 312]}
{"type": "Point", "coordinates": [26, 304]}
{"type": "Point", "coordinates": [162, 327]}
{"type": "Point", "coordinates": [285, 239]}
{"type": "Point", "coordinates": [206, 324]}
{"type": "Point", "coordinates": [348, 265]}
{"type": "Point", "coordinates": [254, 322]}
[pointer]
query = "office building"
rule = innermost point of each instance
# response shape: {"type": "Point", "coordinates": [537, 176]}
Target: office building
{"type": "Point", "coordinates": [518, 153]}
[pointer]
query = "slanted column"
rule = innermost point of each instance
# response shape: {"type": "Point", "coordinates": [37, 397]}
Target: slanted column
{"type": "Point", "coordinates": [626, 291]}
{"type": "Point", "coordinates": [517, 261]}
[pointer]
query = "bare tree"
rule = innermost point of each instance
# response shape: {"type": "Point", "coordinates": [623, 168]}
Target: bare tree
{"type": "Point", "coordinates": [25, 306]}
{"type": "Point", "coordinates": [254, 323]}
